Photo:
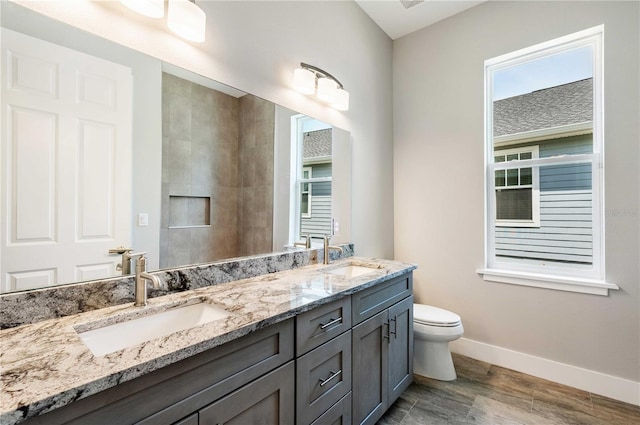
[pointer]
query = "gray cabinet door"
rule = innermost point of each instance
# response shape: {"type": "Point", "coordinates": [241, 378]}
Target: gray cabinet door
{"type": "Point", "coordinates": [400, 347]}
{"type": "Point", "coordinates": [266, 401]}
{"type": "Point", "coordinates": [370, 369]}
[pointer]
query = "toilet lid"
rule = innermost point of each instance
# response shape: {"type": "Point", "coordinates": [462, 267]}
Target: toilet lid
{"type": "Point", "coordinates": [434, 316]}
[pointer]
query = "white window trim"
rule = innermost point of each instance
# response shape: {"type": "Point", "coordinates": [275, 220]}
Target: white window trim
{"type": "Point", "coordinates": [295, 160]}
{"type": "Point", "coordinates": [590, 281]}
{"type": "Point", "coordinates": [535, 187]}
{"type": "Point", "coordinates": [548, 281]}
{"type": "Point", "coordinates": [296, 177]}
{"type": "Point", "coordinates": [309, 185]}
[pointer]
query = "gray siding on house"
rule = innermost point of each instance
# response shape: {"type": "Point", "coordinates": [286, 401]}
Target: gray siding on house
{"type": "Point", "coordinates": [566, 177]}
{"type": "Point", "coordinates": [565, 232]}
{"type": "Point", "coordinates": [321, 188]}
{"type": "Point", "coordinates": [320, 221]}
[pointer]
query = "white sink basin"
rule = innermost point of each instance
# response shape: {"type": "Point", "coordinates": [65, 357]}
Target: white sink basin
{"type": "Point", "coordinates": [111, 338]}
{"type": "Point", "coordinates": [351, 271]}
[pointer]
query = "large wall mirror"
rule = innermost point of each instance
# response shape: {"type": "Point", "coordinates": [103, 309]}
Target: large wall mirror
{"type": "Point", "coordinates": [105, 148]}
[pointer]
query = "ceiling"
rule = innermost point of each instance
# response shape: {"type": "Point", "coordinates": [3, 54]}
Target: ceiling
{"type": "Point", "coordinates": [396, 20]}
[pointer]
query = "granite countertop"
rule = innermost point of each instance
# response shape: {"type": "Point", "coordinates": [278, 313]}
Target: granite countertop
{"type": "Point", "coordinates": [45, 365]}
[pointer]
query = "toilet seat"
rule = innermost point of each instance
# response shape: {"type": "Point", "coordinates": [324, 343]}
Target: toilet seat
{"type": "Point", "coordinates": [434, 316]}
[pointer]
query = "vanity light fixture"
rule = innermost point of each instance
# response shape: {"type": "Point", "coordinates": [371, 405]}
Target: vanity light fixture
{"type": "Point", "coordinates": [150, 8]}
{"type": "Point", "coordinates": [309, 79]}
{"type": "Point", "coordinates": [187, 20]}
{"type": "Point", "coordinates": [184, 17]}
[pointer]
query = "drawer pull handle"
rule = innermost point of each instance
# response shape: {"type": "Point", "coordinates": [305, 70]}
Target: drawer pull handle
{"type": "Point", "coordinates": [330, 323]}
{"type": "Point", "coordinates": [333, 375]}
{"type": "Point", "coordinates": [395, 327]}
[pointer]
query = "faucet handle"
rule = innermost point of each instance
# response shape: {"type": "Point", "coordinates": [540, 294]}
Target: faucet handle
{"type": "Point", "coordinates": [137, 254]}
{"type": "Point", "coordinates": [120, 250]}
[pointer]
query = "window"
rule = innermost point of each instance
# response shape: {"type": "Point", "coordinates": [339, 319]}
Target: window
{"type": "Point", "coordinates": [305, 193]}
{"type": "Point", "coordinates": [544, 165]}
{"type": "Point", "coordinates": [311, 178]}
{"type": "Point", "coordinates": [517, 189]}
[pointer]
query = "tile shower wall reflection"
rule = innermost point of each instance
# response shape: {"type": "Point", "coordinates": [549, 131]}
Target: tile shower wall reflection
{"type": "Point", "coordinates": [256, 140]}
{"type": "Point", "coordinates": [218, 148]}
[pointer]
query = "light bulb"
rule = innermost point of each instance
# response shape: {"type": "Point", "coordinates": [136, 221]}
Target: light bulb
{"type": "Point", "coordinates": [341, 102]}
{"type": "Point", "coordinates": [304, 81]}
{"type": "Point", "coordinates": [327, 89]}
{"type": "Point", "coordinates": [150, 8]}
{"type": "Point", "coordinates": [187, 20]}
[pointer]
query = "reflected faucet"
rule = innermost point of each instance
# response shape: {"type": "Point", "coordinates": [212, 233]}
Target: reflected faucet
{"type": "Point", "coordinates": [306, 243]}
{"type": "Point", "coordinates": [141, 279]}
{"type": "Point", "coordinates": [125, 263]}
{"type": "Point", "coordinates": [327, 247]}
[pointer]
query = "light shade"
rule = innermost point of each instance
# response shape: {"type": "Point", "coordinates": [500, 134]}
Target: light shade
{"type": "Point", "coordinates": [304, 81]}
{"type": "Point", "coordinates": [327, 89]}
{"type": "Point", "coordinates": [341, 102]}
{"type": "Point", "coordinates": [187, 20]}
{"type": "Point", "coordinates": [150, 8]}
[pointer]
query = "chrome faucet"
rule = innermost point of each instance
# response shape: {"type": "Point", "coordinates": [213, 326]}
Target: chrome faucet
{"type": "Point", "coordinates": [328, 248]}
{"type": "Point", "coordinates": [141, 279]}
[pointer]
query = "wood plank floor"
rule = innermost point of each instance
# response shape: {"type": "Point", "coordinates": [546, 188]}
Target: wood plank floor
{"type": "Point", "coordinates": [491, 395]}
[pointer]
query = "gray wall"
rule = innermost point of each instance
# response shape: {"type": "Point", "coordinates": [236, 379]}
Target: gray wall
{"type": "Point", "coordinates": [438, 132]}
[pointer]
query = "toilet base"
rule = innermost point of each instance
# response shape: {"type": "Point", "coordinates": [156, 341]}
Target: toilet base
{"type": "Point", "coordinates": [433, 360]}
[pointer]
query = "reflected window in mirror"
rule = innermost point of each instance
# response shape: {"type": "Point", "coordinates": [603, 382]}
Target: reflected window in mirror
{"type": "Point", "coordinates": [305, 193]}
{"type": "Point", "coordinates": [312, 176]}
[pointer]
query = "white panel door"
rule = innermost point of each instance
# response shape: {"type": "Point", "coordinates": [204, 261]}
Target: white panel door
{"type": "Point", "coordinates": [65, 163]}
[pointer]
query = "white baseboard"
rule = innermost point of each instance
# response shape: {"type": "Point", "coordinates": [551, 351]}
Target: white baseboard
{"type": "Point", "coordinates": [576, 377]}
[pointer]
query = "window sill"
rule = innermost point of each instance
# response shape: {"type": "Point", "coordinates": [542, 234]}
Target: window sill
{"type": "Point", "coordinates": [559, 283]}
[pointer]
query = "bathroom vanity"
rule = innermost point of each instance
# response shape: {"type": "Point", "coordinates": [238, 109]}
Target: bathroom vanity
{"type": "Point", "coordinates": [317, 344]}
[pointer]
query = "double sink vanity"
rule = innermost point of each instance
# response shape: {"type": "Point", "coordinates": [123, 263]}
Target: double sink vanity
{"type": "Point", "coordinates": [314, 344]}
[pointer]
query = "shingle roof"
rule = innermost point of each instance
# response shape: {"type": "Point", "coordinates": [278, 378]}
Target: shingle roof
{"type": "Point", "coordinates": [566, 104]}
{"type": "Point", "coordinates": [316, 144]}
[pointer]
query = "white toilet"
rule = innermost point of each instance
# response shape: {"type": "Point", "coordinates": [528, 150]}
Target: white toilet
{"type": "Point", "coordinates": [433, 328]}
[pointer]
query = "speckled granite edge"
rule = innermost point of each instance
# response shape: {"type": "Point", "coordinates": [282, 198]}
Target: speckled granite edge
{"type": "Point", "coordinates": [21, 308]}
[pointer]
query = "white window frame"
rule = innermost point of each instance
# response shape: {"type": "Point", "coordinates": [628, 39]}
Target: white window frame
{"type": "Point", "coordinates": [585, 280]}
{"type": "Point", "coordinates": [296, 178]}
{"type": "Point", "coordinates": [534, 186]}
{"type": "Point", "coordinates": [303, 181]}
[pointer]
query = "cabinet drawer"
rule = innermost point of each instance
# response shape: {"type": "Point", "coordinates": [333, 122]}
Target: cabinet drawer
{"type": "Point", "coordinates": [339, 414]}
{"type": "Point", "coordinates": [317, 326]}
{"type": "Point", "coordinates": [268, 400]}
{"type": "Point", "coordinates": [191, 420]}
{"type": "Point", "coordinates": [236, 363]}
{"type": "Point", "coordinates": [174, 392]}
{"type": "Point", "coordinates": [373, 300]}
{"type": "Point", "coordinates": [323, 377]}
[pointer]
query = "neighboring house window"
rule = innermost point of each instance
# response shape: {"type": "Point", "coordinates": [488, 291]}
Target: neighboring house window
{"type": "Point", "coordinates": [305, 193]}
{"type": "Point", "coordinates": [544, 165]}
{"type": "Point", "coordinates": [517, 189]}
